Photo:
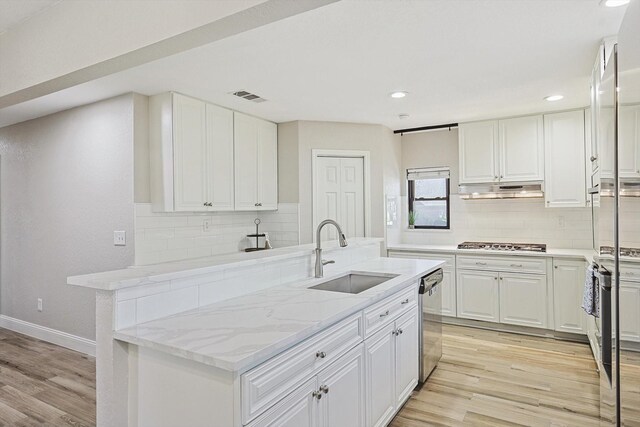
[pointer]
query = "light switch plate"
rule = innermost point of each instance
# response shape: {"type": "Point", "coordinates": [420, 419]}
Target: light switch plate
{"type": "Point", "coordinates": [119, 238]}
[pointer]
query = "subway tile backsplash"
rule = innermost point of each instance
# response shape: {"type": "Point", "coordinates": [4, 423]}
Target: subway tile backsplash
{"type": "Point", "coordinates": [510, 220]}
{"type": "Point", "coordinates": [164, 237]}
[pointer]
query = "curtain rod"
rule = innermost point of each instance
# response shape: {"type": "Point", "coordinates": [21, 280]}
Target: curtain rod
{"type": "Point", "coordinates": [425, 128]}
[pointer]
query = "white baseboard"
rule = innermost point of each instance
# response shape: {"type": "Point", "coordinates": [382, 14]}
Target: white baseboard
{"type": "Point", "coordinates": [52, 336]}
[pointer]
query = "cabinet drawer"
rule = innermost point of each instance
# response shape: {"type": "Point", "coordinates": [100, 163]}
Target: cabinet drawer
{"type": "Point", "coordinates": [449, 260]}
{"type": "Point", "coordinates": [630, 273]}
{"type": "Point", "coordinates": [515, 264]}
{"type": "Point", "coordinates": [270, 382]}
{"type": "Point", "coordinates": [380, 314]}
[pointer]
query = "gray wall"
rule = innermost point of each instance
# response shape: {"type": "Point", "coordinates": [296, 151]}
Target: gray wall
{"type": "Point", "coordinates": [302, 137]}
{"type": "Point", "coordinates": [66, 183]}
{"type": "Point", "coordinates": [431, 149]}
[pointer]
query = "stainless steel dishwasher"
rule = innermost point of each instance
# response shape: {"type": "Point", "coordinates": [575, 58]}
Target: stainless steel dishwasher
{"type": "Point", "coordinates": [430, 336]}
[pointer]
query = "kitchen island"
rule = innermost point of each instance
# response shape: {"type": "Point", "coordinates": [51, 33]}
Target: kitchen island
{"type": "Point", "coordinates": [266, 354]}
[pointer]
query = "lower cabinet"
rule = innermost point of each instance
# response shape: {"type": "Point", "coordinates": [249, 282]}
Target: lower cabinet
{"type": "Point", "coordinates": [630, 311]}
{"type": "Point", "coordinates": [334, 397]}
{"type": "Point", "coordinates": [523, 299]}
{"type": "Point", "coordinates": [391, 368]}
{"type": "Point", "coordinates": [478, 295]}
{"type": "Point", "coordinates": [568, 287]}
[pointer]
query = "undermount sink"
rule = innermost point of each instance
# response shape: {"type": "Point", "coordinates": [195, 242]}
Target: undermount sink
{"type": "Point", "coordinates": [353, 283]}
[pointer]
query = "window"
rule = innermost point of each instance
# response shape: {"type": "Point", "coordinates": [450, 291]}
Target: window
{"type": "Point", "coordinates": [429, 197]}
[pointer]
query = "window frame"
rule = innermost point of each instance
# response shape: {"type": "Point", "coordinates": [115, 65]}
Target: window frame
{"type": "Point", "coordinates": [447, 199]}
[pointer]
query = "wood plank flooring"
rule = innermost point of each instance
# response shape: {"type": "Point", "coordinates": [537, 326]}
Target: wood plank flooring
{"type": "Point", "coordinates": [485, 378]}
{"type": "Point", "coordinates": [488, 378]}
{"type": "Point", "coordinates": [42, 384]}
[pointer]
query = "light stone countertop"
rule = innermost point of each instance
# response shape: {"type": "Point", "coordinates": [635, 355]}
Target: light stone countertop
{"type": "Point", "coordinates": [156, 273]}
{"type": "Point", "coordinates": [586, 254]}
{"type": "Point", "coordinates": [241, 333]}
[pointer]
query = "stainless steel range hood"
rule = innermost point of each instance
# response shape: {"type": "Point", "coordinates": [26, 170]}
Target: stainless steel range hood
{"type": "Point", "coordinates": [511, 190]}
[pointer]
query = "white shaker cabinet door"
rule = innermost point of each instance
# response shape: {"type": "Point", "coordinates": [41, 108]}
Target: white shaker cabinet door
{"type": "Point", "coordinates": [568, 286]}
{"type": "Point", "coordinates": [630, 311]}
{"type": "Point", "coordinates": [629, 141]}
{"type": "Point", "coordinates": [380, 376]}
{"type": "Point", "coordinates": [246, 161]}
{"type": "Point", "coordinates": [448, 293]}
{"type": "Point", "coordinates": [299, 409]}
{"type": "Point", "coordinates": [564, 182]}
{"type": "Point", "coordinates": [220, 155]}
{"type": "Point", "coordinates": [342, 386]}
{"type": "Point", "coordinates": [190, 154]}
{"type": "Point", "coordinates": [478, 296]}
{"type": "Point", "coordinates": [406, 356]}
{"type": "Point", "coordinates": [267, 165]}
{"type": "Point", "coordinates": [523, 299]}
{"type": "Point", "coordinates": [478, 152]}
{"type": "Point", "coordinates": [521, 149]}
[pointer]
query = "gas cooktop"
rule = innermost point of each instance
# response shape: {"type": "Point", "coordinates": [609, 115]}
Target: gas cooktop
{"type": "Point", "coordinates": [630, 252]}
{"type": "Point", "coordinates": [491, 246]}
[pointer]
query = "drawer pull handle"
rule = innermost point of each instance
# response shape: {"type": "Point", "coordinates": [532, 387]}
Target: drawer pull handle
{"type": "Point", "coordinates": [321, 354]}
{"type": "Point", "coordinates": [324, 389]}
{"type": "Point", "coordinates": [317, 395]}
{"type": "Point", "coordinates": [385, 314]}
{"type": "Point", "coordinates": [406, 301]}
{"type": "Point", "coordinates": [516, 265]}
{"type": "Point", "coordinates": [481, 263]}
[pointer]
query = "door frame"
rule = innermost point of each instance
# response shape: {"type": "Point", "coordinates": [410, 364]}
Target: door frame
{"type": "Point", "coordinates": [366, 158]}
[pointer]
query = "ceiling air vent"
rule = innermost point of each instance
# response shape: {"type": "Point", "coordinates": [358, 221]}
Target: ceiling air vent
{"type": "Point", "coordinates": [248, 96]}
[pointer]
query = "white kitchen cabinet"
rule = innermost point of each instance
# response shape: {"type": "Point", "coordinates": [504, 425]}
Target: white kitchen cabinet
{"type": "Point", "coordinates": [508, 150]}
{"type": "Point", "coordinates": [568, 286]}
{"type": "Point", "coordinates": [629, 141]}
{"type": "Point", "coordinates": [523, 299]}
{"type": "Point", "coordinates": [406, 357]}
{"type": "Point", "coordinates": [448, 285]}
{"type": "Point", "coordinates": [299, 409]}
{"type": "Point", "coordinates": [380, 355]}
{"type": "Point", "coordinates": [565, 184]}
{"type": "Point", "coordinates": [342, 385]}
{"type": "Point", "coordinates": [629, 311]}
{"type": "Point", "coordinates": [478, 295]}
{"type": "Point", "coordinates": [521, 149]}
{"type": "Point", "coordinates": [478, 152]}
{"type": "Point", "coordinates": [256, 163]}
{"type": "Point", "coordinates": [191, 154]}
{"type": "Point", "coordinates": [391, 364]}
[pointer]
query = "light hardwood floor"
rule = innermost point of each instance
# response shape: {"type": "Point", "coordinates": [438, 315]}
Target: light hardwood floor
{"type": "Point", "coordinates": [42, 384]}
{"type": "Point", "coordinates": [489, 378]}
{"type": "Point", "coordinates": [485, 378]}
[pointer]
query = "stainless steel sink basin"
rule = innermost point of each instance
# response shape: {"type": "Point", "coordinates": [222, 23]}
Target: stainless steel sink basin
{"type": "Point", "coordinates": [354, 283]}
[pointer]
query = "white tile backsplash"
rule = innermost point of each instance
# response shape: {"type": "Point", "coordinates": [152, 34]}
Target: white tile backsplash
{"type": "Point", "coordinates": [511, 220]}
{"type": "Point", "coordinates": [164, 237]}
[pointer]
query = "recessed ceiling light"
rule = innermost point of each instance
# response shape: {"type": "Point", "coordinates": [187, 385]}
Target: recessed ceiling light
{"type": "Point", "coordinates": [403, 116]}
{"type": "Point", "coordinates": [553, 97]}
{"type": "Point", "coordinates": [614, 3]}
{"type": "Point", "coordinates": [398, 94]}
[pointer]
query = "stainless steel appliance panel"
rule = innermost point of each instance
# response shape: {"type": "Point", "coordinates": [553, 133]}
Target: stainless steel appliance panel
{"type": "Point", "coordinates": [430, 337]}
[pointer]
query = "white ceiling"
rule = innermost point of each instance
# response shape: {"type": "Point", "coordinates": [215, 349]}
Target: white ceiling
{"type": "Point", "coordinates": [459, 60]}
{"type": "Point", "coordinates": [13, 12]}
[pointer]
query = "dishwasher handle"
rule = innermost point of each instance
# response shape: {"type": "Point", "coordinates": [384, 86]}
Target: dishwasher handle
{"type": "Point", "coordinates": [430, 281]}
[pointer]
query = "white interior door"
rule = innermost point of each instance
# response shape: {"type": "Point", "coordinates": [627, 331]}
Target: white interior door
{"type": "Point", "coordinates": [339, 183]}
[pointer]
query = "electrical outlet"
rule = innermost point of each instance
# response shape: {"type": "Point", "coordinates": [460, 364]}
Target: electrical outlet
{"type": "Point", "coordinates": [120, 238]}
{"type": "Point", "coordinates": [39, 304]}
{"type": "Point", "coordinates": [206, 224]}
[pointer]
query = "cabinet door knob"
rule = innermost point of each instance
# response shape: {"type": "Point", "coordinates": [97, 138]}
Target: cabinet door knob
{"type": "Point", "coordinates": [321, 354]}
{"type": "Point", "coordinates": [495, 177]}
{"type": "Point", "coordinates": [594, 158]}
{"type": "Point", "coordinates": [400, 331]}
{"type": "Point", "coordinates": [324, 389]}
{"type": "Point", "coordinates": [495, 278]}
{"type": "Point", "coordinates": [317, 395]}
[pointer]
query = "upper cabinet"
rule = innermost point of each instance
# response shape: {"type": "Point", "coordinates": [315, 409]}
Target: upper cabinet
{"type": "Point", "coordinates": [197, 148]}
{"type": "Point", "coordinates": [510, 150]}
{"type": "Point", "coordinates": [565, 184]}
{"type": "Point", "coordinates": [629, 141]}
{"type": "Point", "coordinates": [256, 163]}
